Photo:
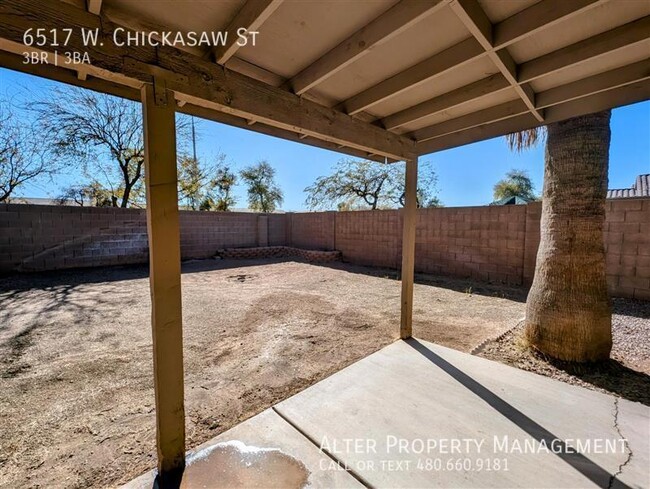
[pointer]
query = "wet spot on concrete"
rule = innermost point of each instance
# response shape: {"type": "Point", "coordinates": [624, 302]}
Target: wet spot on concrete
{"type": "Point", "coordinates": [234, 464]}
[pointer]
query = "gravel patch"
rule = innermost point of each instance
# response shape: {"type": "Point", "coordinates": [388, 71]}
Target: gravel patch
{"type": "Point", "coordinates": [631, 333]}
{"type": "Point", "coordinates": [627, 374]}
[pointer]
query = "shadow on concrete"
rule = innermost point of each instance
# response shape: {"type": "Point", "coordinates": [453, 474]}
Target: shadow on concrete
{"type": "Point", "coordinates": [578, 461]}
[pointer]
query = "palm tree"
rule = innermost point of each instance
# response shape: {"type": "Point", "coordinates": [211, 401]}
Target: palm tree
{"type": "Point", "coordinates": [568, 313]}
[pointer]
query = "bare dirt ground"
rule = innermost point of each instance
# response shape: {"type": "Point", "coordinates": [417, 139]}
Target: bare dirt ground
{"type": "Point", "coordinates": [76, 393]}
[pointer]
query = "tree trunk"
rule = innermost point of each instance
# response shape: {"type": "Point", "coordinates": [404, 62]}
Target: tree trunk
{"type": "Point", "coordinates": [126, 195]}
{"type": "Point", "coordinates": [568, 313]}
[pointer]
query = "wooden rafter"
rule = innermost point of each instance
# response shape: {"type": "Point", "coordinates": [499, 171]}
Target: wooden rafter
{"type": "Point", "coordinates": [250, 17]}
{"type": "Point", "coordinates": [620, 37]}
{"type": "Point", "coordinates": [201, 82]}
{"type": "Point", "coordinates": [477, 22]}
{"type": "Point", "coordinates": [629, 34]}
{"type": "Point", "coordinates": [596, 83]}
{"type": "Point", "coordinates": [229, 97]}
{"type": "Point", "coordinates": [491, 114]}
{"type": "Point", "coordinates": [63, 75]}
{"type": "Point", "coordinates": [428, 69]}
{"type": "Point", "coordinates": [94, 6]}
{"type": "Point", "coordinates": [636, 72]}
{"type": "Point", "coordinates": [388, 25]}
{"type": "Point", "coordinates": [232, 120]}
{"type": "Point", "coordinates": [491, 84]}
{"type": "Point", "coordinates": [540, 16]}
{"type": "Point", "coordinates": [625, 95]}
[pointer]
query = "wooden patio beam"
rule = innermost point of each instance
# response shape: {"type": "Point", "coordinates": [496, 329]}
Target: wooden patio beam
{"type": "Point", "coordinates": [232, 120]}
{"type": "Point", "coordinates": [535, 18]}
{"type": "Point", "coordinates": [63, 75]}
{"type": "Point", "coordinates": [596, 83]}
{"type": "Point", "coordinates": [201, 82]}
{"type": "Point", "coordinates": [602, 100]}
{"type": "Point", "coordinates": [426, 70]}
{"type": "Point", "coordinates": [409, 217]}
{"type": "Point", "coordinates": [164, 276]}
{"type": "Point", "coordinates": [94, 6]}
{"type": "Point", "coordinates": [581, 88]}
{"type": "Point", "coordinates": [491, 114]}
{"type": "Point", "coordinates": [491, 84]}
{"type": "Point", "coordinates": [250, 17]}
{"type": "Point", "coordinates": [620, 37]}
{"type": "Point", "coordinates": [388, 25]}
{"type": "Point", "coordinates": [472, 15]}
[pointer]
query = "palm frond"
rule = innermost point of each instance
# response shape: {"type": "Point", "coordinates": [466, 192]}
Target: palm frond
{"type": "Point", "coordinates": [519, 141]}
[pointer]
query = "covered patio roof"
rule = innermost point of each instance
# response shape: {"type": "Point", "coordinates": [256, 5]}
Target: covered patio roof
{"type": "Point", "coordinates": [385, 80]}
{"type": "Point", "coordinates": [375, 79]}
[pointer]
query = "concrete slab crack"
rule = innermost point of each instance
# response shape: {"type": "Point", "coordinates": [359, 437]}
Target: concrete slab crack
{"type": "Point", "coordinates": [353, 473]}
{"type": "Point", "coordinates": [627, 446]}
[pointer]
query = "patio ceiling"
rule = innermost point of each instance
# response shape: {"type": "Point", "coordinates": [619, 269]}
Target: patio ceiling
{"type": "Point", "coordinates": [379, 79]}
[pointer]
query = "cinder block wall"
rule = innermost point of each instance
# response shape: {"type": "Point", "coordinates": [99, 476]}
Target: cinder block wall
{"type": "Point", "coordinates": [37, 237]}
{"type": "Point", "coordinates": [494, 243]}
{"type": "Point", "coordinates": [312, 231]}
{"type": "Point", "coordinates": [202, 233]}
{"type": "Point", "coordinates": [370, 237]}
{"type": "Point", "coordinates": [485, 243]}
{"type": "Point", "coordinates": [277, 229]}
{"type": "Point", "coordinates": [627, 244]}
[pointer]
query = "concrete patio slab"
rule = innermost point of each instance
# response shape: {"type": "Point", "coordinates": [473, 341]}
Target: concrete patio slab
{"type": "Point", "coordinates": [415, 414]}
{"type": "Point", "coordinates": [262, 452]}
{"type": "Point", "coordinates": [418, 415]}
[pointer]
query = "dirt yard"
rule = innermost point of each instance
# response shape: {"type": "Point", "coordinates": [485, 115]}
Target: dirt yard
{"type": "Point", "coordinates": [76, 394]}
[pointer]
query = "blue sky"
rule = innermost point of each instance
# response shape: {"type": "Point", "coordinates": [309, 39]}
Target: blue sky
{"type": "Point", "coordinates": [466, 175]}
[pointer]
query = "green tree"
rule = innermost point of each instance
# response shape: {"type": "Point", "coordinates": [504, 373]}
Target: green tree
{"type": "Point", "coordinates": [193, 179]}
{"type": "Point", "coordinates": [568, 313]}
{"type": "Point", "coordinates": [221, 198]}
{"type": "Point", "coordinates": [93, 194]}
{"type": "Point", "coordinates": [359, 184]}
{"type": "Point", "coordinates": [263, 192]}
{"type": "Point", "coordinates": [516, 184]}
{"type": "Point", "coordinates": [101, 134]}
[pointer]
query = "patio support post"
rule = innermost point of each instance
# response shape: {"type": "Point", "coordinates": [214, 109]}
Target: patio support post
{"type": "Point", "coordinates": [164, 277]}
{"type": "Point", "coordinates": [408, 247]}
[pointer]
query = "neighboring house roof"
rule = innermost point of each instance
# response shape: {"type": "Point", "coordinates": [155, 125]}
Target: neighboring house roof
{"type": "Point", "coordinates": [514, 200]}
{"type": "Point", "coordinates": [641, 188]}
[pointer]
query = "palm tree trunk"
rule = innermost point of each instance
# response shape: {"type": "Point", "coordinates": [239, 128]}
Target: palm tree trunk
{"type": "Point", "coordinates": [568, 313]}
